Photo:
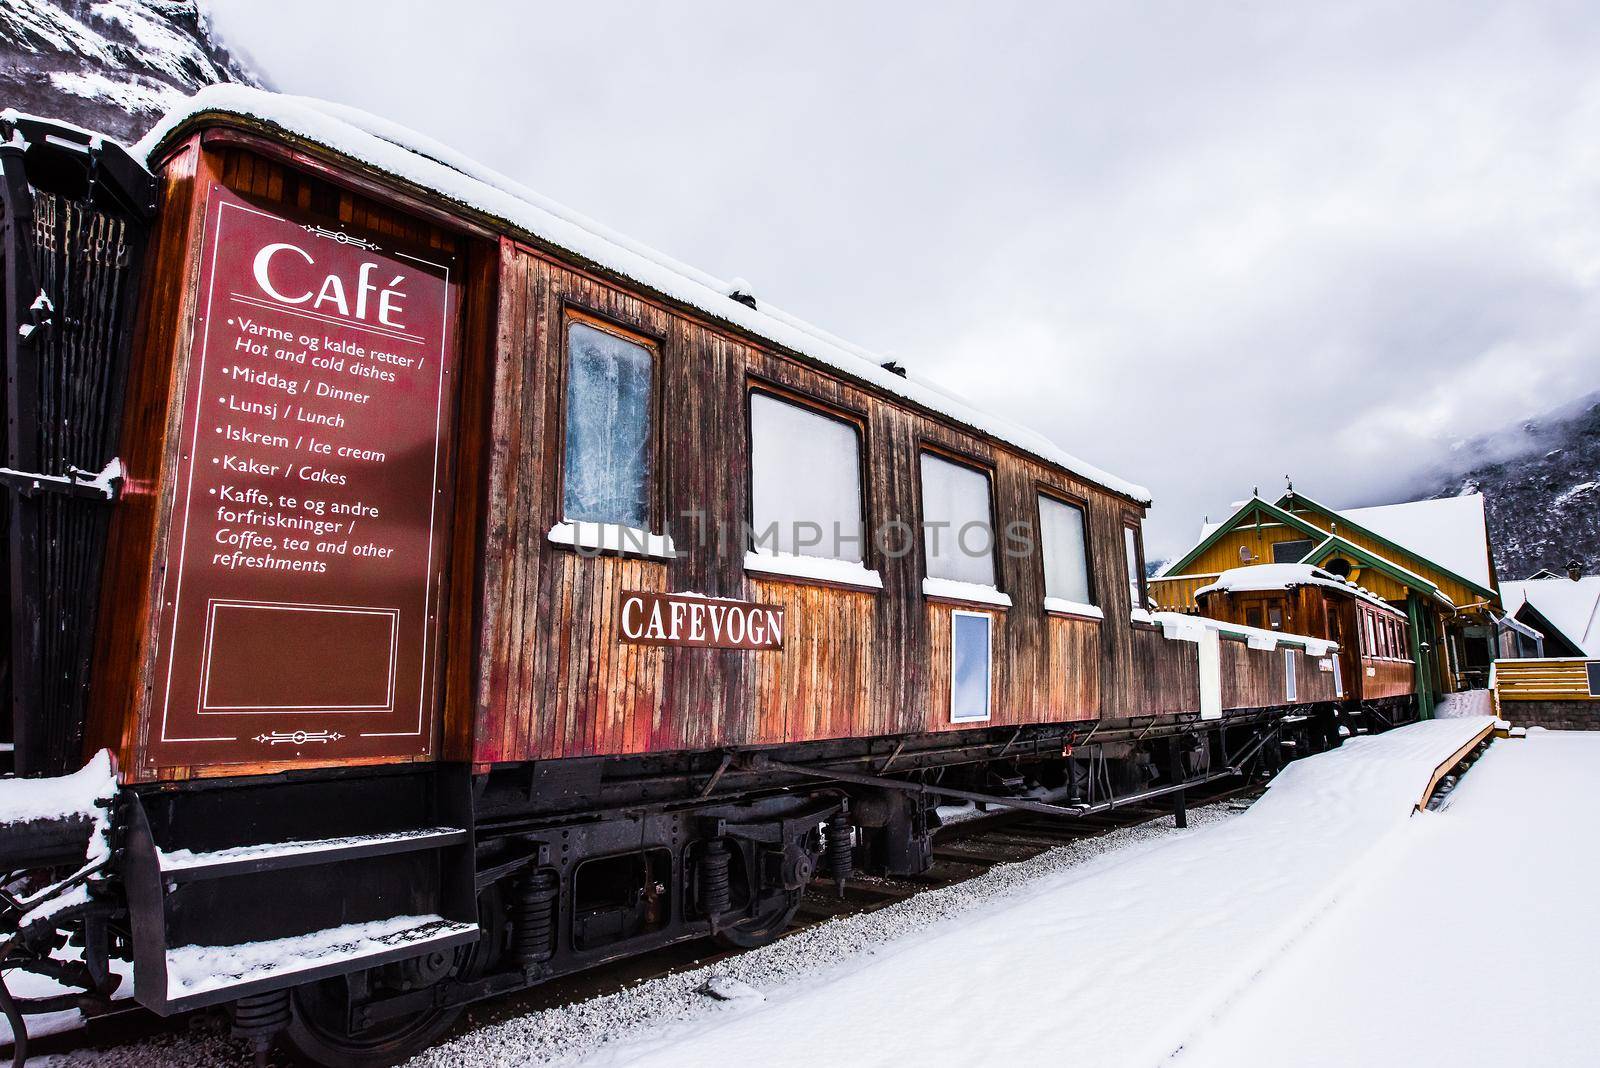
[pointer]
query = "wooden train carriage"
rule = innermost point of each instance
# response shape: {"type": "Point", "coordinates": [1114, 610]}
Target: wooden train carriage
{"type": "Point", "coordinates": [1373, 636]}
{"type": "Point", "coordinates": [543, 597]}
{"type": "Point", "coordinates": [529, 583]}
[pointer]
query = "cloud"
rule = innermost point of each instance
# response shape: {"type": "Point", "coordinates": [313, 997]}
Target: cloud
{"type": "Point", "coordinates": [1203, 246]}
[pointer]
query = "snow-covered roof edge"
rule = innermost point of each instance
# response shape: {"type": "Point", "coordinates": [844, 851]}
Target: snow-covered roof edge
{"type": "Point", "coordinates": [1257, 577]}
{"type": "Point", "coordinates": [1176, 626]}
{"type": "Point", "coordinates": [421, 161]}
{"type": "Point", "coordinates": [1571, 608]}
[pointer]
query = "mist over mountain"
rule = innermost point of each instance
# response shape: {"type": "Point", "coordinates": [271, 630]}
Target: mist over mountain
{"type": "Point", "coordinates": [110, 65]}
{"type": "Point", "coordinates": [1541, 484]}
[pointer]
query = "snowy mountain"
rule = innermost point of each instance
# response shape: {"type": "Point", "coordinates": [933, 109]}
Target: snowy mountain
{"type": "Point", "coordinates": [110, 65]}
{"type": "Point", "coordinates": [1541, 486]}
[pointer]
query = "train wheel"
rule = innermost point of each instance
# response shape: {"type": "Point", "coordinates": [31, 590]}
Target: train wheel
{"type": "Point", "coordinates": [319, 1030]}
{"type": "Point", "coordinates": [765, 926]}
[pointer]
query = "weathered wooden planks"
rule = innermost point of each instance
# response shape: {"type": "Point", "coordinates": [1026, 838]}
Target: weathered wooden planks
{"type": "Point", "coordinates": [1547, 679]}
{"type": "Point", "coordinates": [1256, 678]}
{"type": "Point", "coordinates": [855, 662]}
{"type": "Point", "coordinates": [534, 668]}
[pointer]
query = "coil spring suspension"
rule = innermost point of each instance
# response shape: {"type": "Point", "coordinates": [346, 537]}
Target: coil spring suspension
{"type": "Point", "coordinates": [841, 857]}
{"type": "Point", "coordinates": [716, 890]}
{"type": "Point", "coordinates": [533, 917]}
{"type": "Point", "coordinates": [258, 1019]}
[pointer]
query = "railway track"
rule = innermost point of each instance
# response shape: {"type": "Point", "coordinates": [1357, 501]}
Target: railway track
{"type": "Point", "coordinates": [962, 850]}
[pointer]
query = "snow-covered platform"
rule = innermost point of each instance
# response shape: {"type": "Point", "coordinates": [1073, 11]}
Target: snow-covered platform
{"type": "Point", "coordinates": [1121, 961]}
{"type": "Point", "coordinates": [1472, 940]}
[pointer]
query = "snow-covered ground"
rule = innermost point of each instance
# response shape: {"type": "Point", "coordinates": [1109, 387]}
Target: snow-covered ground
{"type": "Point", "coordinates": [1472, 939]}
{"type": "Point", "coordinates": [1116, 961]}
{"type": "Point", "coordinates": [1329, 924]}
{"type": "Point", "coordinates": [1464, 703]}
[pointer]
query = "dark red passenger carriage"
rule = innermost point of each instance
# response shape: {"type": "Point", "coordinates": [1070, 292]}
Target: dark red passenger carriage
{"type": "Point", "coordinates": [485, 598]}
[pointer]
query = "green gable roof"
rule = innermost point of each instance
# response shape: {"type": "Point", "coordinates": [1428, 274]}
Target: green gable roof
{"type": "Point", "coordinates": [1335, 544]}
{"type": "Point", "coordinates": [1236, 520]}
{"type": "Point", "coordinates": [1326, 544]}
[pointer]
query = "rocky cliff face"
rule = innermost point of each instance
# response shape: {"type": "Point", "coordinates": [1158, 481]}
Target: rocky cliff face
{"type": "Point", "coordinates": [1541, 486]}
{"type": "Point", "coordinates": [110, 65]}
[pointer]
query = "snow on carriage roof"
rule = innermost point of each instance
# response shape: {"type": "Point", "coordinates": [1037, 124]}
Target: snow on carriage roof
{"type": "Point", "coordinates": [1258, 577]}
{"type": "Point", "coordinates": [410, 156]}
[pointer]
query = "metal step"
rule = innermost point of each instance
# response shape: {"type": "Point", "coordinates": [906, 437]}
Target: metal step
{"type": "Point", "coordinates": [204, 975]}
{"type": "Point", "coordinates": [243, 888]}
{"type": "Point", "coordinates": [186, 865]}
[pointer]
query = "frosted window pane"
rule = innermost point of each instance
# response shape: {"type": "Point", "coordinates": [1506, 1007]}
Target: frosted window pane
{"type": "Point", "coordinates": [969, 666]}
{"type": "Point", "coordinates": [1130, 539]}
{"type": "Point", "coordinates": [805, 482]}
{"type": "Point", "coordinates": [962, 548]}
{"type": "Point", "coordinates": [607, 475]}
{"type": "Point", "coordinates": [1066, 566]}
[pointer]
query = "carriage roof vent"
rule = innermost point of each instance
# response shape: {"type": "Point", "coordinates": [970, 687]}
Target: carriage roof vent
{"type": "Point", "coordinates": [739, 290]}
{"type": "Point", "coordinates": [894, 367]}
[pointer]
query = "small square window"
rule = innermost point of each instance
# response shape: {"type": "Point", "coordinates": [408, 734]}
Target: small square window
{"type": "Point", "coordinates": [971, 665]}
{"type": "Point", "coordinates": [1594, 680]}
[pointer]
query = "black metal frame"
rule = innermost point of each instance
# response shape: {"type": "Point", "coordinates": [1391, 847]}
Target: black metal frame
{"type": "Point", "coordinates": [62, 304]}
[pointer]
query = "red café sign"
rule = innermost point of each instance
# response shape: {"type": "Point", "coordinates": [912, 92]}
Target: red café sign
{"type": "Point", "coordinates": [299, 602]}
{"type": "Point", "coordinates": [699, 622]}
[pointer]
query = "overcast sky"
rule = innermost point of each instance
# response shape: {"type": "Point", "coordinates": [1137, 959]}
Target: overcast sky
{"type": "Point", "coordinates": [1200, 245]}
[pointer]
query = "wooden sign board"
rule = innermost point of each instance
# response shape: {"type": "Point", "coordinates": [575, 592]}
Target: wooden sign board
{"type": "Point", "coordinates": [699, 622]}
{"type": "Point", "coordinates": [298, 611]}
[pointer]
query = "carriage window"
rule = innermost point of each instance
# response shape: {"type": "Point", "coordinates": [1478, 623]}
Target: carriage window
{"type": "Point", "coordinates": [1252, 616]}
{"type": "Point", "coordinates": [608, 462]}
{"type": "Point", "coordinates": [1066, 563]}
{"type": "Point", "coordinates": [957, 532]}
{"type": "Point", "coordinates": [1275, 618]}
{"type": "Point", "coordinates": [970, 664]}
{"type": "Point", "coordinates": [805, 481]}
{"type": "Point", "coordinates": [1372, 635]}
{"type": "Point", "coordinates": [1135, 553]}
{"type": "Point", "coordinates": [1291, 685]}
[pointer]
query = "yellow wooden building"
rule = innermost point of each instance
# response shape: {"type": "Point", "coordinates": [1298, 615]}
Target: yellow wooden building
{"type": "Point", "coordinates": [1431, 559]}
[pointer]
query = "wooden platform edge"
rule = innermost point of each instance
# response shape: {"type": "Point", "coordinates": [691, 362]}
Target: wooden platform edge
{"type": "Point", "coordinates": [1452, 760]}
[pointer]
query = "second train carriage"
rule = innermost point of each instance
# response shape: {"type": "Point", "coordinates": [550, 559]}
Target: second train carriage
{"type": "Point", "coordinates": [1376, 670]}
{"type": "Point", "coordinates": [488, 597]}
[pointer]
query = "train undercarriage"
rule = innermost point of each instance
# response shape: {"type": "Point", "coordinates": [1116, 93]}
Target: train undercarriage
{"type": "Point", "coordinates": [535, 871]}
